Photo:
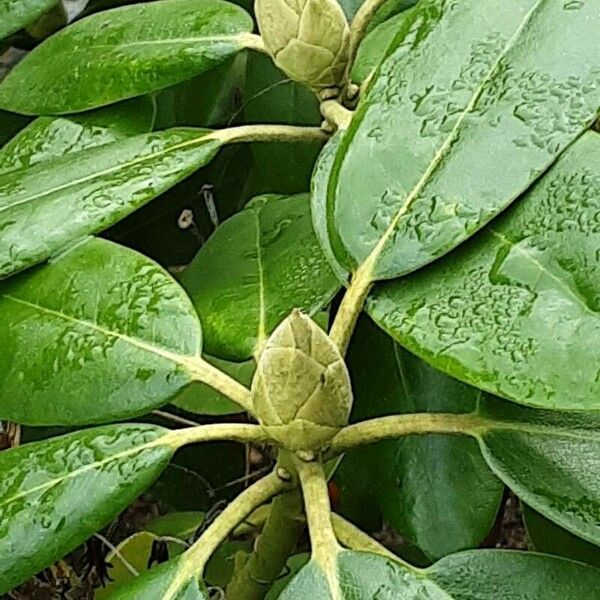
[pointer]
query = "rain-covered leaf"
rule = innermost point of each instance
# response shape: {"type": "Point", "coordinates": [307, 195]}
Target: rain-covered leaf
{"type": "Point", "coordinates": [477, 101]}
{"type": "Point", "coordinates": [16, 14]}
{"type": "Point", "coordinates": [47, 206]}
{"type": "Point", "coordinates": [547, 537]}
{"type": "Point", "coordinates": [435, 490]}
{"type": "Point", "coordinates": [201, 399]}
{"type": "Point", "coordinates": [52, 137]}
{"type": "Point", "coordinates": [102, 333]}
{"type": "Point", "coordinates": [479, 574]}
{"type": "Point", "coordinates": [253, 271]}
{"type": "Point", "coordinates": [516, 310]}
{"type": "Point", "coordinates": [550, 459]}
{"type": "Point", "coordinates": [125, 52]}
{"type": "Point", "coordinates": [56, 493]}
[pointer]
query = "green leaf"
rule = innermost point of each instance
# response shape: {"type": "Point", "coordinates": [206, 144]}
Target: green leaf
{"type": "Point", "coordinates": [435, 490]}
{"type": "Point", "coordinates": [476, 102]}
{"type": "Point", "coordinates": [52, 137]}
{"type": "Point", "coordinates": [253, 271]}
{"type": "Point", "coordinates": [125, 52]}
{"type": "Point", "coordinates": [170, 581]}
{"type": "Point", "coordinates": [516, 310]}
{"type": "Point", "coordinates": [549, 538]}
{"type": "Point", "coordinates": [201, 399]}
{"type": "Point", "coordinates": [373, 48]}
{"type": "Point", "coordinates": [15, 15]}
{"type": "Point", "coordinates": [479, 574]}
{"type": "Point", "coordinates": [550, 459]}
{"type": "Point", "coordinates": [46, 207]}
{"type": "Point", "coordinates": [102, 333]}
{"type": "Point", "coordinates": [56, 493]}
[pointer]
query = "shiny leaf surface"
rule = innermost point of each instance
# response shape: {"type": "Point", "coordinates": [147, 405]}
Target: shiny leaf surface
{"type": "Point", "coordinates": [481, 575]}
{"type": "Point", "coordinates": [273, 264]}
{"type": "Point", "coordinates": [52, 137]}
{"type": "Point", "coordinates": [477, 101]}
{"type": "Point", "coordinates": [125, 52]}
{"type": "Point", "coordinates": [516, 310]}
{"type": "Point", "coordinates": [550, 459]}
{"type": "Point", "coordinates": [16, 14]}
{"type": "Point", "coordinates": [435, 490]}
{"type": "Point", "coordinates": [102, 333]}
{"type": "Point", "coordinates": [47, 206]}
{"type": "Point", "coordinates": [56, 493]}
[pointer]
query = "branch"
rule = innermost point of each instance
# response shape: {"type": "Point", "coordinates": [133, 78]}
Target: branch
{"type": "Point", "coordinates": [353, 538]}
{"type": "Point", "coordinates": [205, 373]}
{"type": "Point", "coordinates": [336, 114]}
{"type": "Point", "coordinates": [383, 428]}
{"type": "Point", "coordinates": [269, 133]}
{"type": "Point", "coordinates": [237, 432]}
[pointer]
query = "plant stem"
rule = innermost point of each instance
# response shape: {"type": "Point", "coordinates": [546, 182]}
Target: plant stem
{"type": "Point", "coordinates": [205, 372]}
{"type": "Point", "coordinates": [197, 556]}
{"type": "Point", "coordinates": [383, 428]}
{"type": "Point", "coordinates": [253, 42]}
{"type": "Point", "coordinates": [323, 541]}
{"type": "Point", "coordinates": [352, 537]}
{"type": "Point", "coordinates": [351, 307]}
{"type": "Point", "coordinates": [336, 114]}
{"type": "Point", "coordinates": [254, 574]}
{"type": "Point", "coordinates": [237, 432]}
{"type": "Point", "coordinates": [358, 28]}
{"type": "Point", "coordinates": [270, 133]}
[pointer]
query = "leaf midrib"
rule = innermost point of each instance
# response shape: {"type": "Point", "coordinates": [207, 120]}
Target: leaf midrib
{"type": "Point", "coordinates": [187, 362]}
{"type": "Point", "coordinates": [439, 156]}
{"type": "Point", "coordinates": [110, 170]}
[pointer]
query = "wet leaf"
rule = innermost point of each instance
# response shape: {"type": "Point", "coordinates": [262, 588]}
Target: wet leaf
{"type": "Point", "coordinates": [550, 459]}
{"type": "Point", "coordinates": [102, 333]}
{"type": "Point", "coordinates": [201, 399]}
{"type": "Point", "coordinates": [549, 538]}
{"type": "Point", "coordinates": [481, 574]}
{"type": "Point", "coordinates": [52, 137]}
{"type": "Point", "coordinates": [435, 490]}
{"type": "Point", "coordinates": [47, 206]}
{"type": "Point", "coordinates": [125, 52]}
{"type": "Point", "coordinates": [16, 14]}
{"type": "Point", "coordinates": [516, 310]}
{"type": "Point", "coordinates": [273, 264]}
{"type": "Point", "coordinates": [476, 102]}
{"type": "Point", "coordinates": [56, 493]}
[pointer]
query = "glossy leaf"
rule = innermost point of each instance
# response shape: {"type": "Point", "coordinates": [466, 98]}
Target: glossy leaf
{"type": "Point", "coordinates": [550, 459]}
{"type": "Point", "coordinates": [169, 581]}
{"type": "Point", "coordinates": [201, 399]}
{"type": "Point", "coordinates": [52, 137]}
{"type": "Point", "coordinates": [373, 48]}
{"type": "Point", "coordinates": [102, 333]}
{"type": "Point", "coordinates": [516, 310]}
{"type": "Point", "coordinates": [125, 52]}
{"type": "Point", "coordinates": [481, 574]}
{"type": "Point", "coordinates": [16, 14]}
{"type": "Point", "coordinates": [273, 264]}
{"type": "Point", "coordinates": [476, 102]}
{"type": "Point", "coordinates": [56, 493]}
{"type": "Point", "coordinates": [46, 207]}
{"type": "Point", "coordinates": [435, 490]}
{"type": "Point", "coordinates": [547, 537]}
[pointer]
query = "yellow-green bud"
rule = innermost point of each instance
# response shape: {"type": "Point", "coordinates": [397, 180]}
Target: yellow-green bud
{"type": "Point", "coordinates": [301, 390]}
{"type": "Point", "coordinates": [308, 39]}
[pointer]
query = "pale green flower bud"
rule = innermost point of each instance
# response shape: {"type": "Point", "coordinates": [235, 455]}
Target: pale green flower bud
{"type": "Point", "coordinates": [301, 390]}
{"type": "Point", "coordinates": [308, 39]}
